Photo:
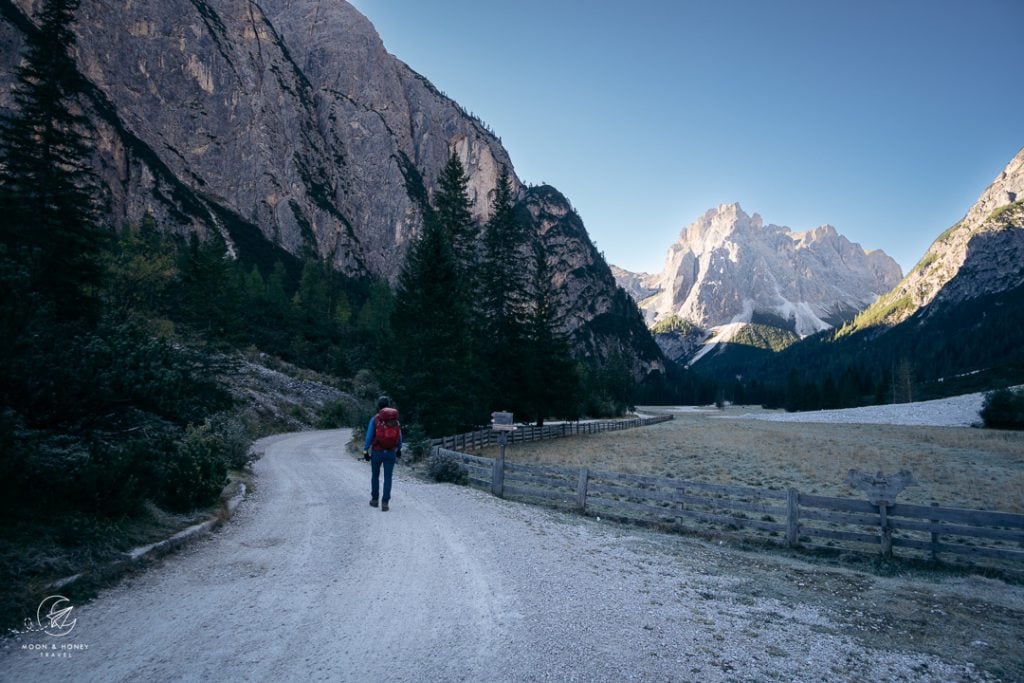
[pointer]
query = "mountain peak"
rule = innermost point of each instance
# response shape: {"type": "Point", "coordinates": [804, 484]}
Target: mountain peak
{"type": "Point", "coordinates": [821, 232]}
{"type": "Point", "coordinates": [733, 210]}
{"type": "Point", "coordinates": [729, 214]}
{"type": "Point", "coordinates": [730, 267]}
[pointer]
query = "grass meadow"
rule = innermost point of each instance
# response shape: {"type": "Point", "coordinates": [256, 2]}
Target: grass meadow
{"type": "Point", "coordinates": [962, 467]}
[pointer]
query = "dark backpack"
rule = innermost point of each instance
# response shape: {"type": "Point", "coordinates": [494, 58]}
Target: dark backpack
{"type": "Point", "coordinates": [386, 430]}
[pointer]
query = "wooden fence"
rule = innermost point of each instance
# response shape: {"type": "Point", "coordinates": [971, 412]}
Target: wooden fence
{"type": "Point", "coordinates": [489, 437]}
{"type": "Point", "coordinates": [785, 517]}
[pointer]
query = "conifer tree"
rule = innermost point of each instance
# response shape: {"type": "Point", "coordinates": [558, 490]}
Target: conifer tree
{"type": "Point", "coordinates": [551, 379]}
{"type": "Point", "coordinates": [211, 288]}
{"type": "Point", "coordinates": [451, 211]}
{"type": "Point", "coordinates": [140, 273]}
{"type": "Point", "coordinates": [313, 298]}
{"type": "Point", "coordinates": [47, 191]}
{"type": "Point", "coordinates": [373, 324]}
{"type": "Point", "coordinates": [433, 371]}
{"type": "Point", "coordinates": [504, 296]}
{"type": "Point", "coordinates": [794, 397]}
{"type": "Point", "coordinates": [277, 292]}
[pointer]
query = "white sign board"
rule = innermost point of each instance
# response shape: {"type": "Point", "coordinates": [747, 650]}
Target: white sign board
{"type": "Point", "coordinates": [502, 422]}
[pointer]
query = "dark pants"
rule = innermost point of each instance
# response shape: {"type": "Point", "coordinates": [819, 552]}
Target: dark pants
{"type": "Point", "coordinates": [378, 458]}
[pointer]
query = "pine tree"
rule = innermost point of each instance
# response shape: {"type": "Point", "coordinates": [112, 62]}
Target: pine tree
{"type": "Point", "coordinates": [140, 273]}
{"type": "Point", "coordinates": [849, 389]}
{"type": "Point", "coordinates": [904, 382]}
{"type": "Point", "coordinates": [551, 380]}
{"type": "Point", "coordinates": [794, 392]}
{"type": "Point", "coordinates": [504, 296]}
{"type": "Point", "coordinates": [277, 292]}
{"type": "Point", "coordinates": [829, 393]}
{"type": "Point", "coordinates": [313, 298]}
{"type": "Point", "coordinates": [433, 370]}
{"type": "Point", "coordinates": [374, 324]}
{"type": "Point", "coordinates": [212, 286]}
{"type": "Point", "coordinates": [47, 189]}
{"type": "Point", "coordinates": [452, 214]}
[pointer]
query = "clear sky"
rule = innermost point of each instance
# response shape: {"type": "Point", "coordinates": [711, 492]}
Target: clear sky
{"type": "Point", "coordinates": [884, 118]}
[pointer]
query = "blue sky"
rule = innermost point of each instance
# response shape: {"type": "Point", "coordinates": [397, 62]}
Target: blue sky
{"type": "Point", "coordinates": [884, 118]}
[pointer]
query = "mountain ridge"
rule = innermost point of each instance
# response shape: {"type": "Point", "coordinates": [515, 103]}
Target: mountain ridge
{"type": "Point", "coordinates": [983, 247]}
{"type": "Point", "coordinates": [728, 269]}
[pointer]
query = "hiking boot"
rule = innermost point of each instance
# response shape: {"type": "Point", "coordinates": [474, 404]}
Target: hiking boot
{"type": "Point", "coordinates": [373, 502]}
{"type": "Point", "coordinates": [383, 507]}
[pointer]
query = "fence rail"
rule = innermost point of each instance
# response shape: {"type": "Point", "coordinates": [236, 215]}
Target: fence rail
{"type": "Point", "coordinates": [785, 517]}
{"type": "Point", "coordinates": [483, 438]}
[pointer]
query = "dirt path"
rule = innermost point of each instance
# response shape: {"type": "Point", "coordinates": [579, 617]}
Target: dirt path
{"type": "Point", "coordinates": [308, 582]}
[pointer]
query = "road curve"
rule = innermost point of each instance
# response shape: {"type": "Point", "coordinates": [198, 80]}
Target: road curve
{"type": "Point", "coordinates": [308, 582]}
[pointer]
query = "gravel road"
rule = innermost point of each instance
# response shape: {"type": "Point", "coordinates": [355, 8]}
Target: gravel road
{"type": "Point", "coordinates": [307, 582]}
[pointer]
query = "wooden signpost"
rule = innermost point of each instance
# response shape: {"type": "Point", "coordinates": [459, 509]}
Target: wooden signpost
{"type": "Point", "coordinates": [882, 490]}
{"type": "Point", "coordinates": [502, 424]}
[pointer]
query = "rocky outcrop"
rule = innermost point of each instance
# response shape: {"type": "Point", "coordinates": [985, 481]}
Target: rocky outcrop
{"type": "Point", "coordinates": [981, 255]}
{"type": "Point", "coordinates": [635, 284]}
{"type": "Point", "coordinates": [601, 318]}
{"type": "Point", "coordinates": [286, 127]}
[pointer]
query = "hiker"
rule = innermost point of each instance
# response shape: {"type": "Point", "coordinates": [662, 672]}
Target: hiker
{"type": "Point", "coordinates": [383, 446]}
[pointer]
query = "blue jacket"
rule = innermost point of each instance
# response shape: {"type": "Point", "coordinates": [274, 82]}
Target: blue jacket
{"type": "Point", "coordinates": [371, 428]}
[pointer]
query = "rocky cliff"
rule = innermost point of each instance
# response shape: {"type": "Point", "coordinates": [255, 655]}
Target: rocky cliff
{"type": "Point", "coordinates": [729, 268]}
{"type": "Point", "coordinates": [286, 127]}
{"type": "Point", "coordinates": [288, 116]}
{"type": "Point", "coordinates": [983, 254]}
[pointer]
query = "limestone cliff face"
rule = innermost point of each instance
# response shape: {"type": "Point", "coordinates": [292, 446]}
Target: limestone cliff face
{"type": "Point", "coordinates": [729, 267]}
{"type": "Point", "coordinates": [982, 254]}
{"type": "Point", "coordinates": [288, 114]}
{"type": "Point", "coordinates": [283, 124]}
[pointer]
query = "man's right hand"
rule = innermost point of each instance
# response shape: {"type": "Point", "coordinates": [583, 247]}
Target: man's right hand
{"type": "Point", "coordinates": [366, 456]}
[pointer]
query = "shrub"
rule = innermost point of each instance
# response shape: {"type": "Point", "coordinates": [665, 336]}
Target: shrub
{"type": "Point", "coordinates": [235, 431]}
{"type": "Point", "coordinates": [358, 438]}
{"type": "Point", "coordinates": [1003, 409]}
{"type": "Point", "coordinates": [197, 472]}
{"type": "Point", "coordinates": [345, 412]}
{"type": "Point", "coordinates": [415, 443]}
{"type": "Point", "coordinates": [118, 478]}
{"type": "Point", "coordinates": [445, 467]}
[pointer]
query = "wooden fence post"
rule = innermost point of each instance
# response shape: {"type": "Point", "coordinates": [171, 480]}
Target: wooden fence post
{"type": "Point", "coordinates": [581, 489]}
{"type": "Point", "coordinates": [498, 475]}
{"type": "Point", "coordinates": [792, 517]}
{"type": "Point", "coordinates": [886, 530]}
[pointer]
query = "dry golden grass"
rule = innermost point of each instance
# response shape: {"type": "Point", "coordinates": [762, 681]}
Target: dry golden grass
{"type": "Point", "coordinates": [954, 466]}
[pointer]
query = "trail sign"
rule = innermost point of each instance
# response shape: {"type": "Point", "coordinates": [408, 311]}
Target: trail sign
{"type": "Point", "coordinates": [880, 488]}
{"type": "Point", "coordinates": [502, 422]}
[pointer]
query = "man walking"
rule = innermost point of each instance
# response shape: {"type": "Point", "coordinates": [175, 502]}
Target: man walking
{"type": "Point", "coordinates": [383, 447]}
